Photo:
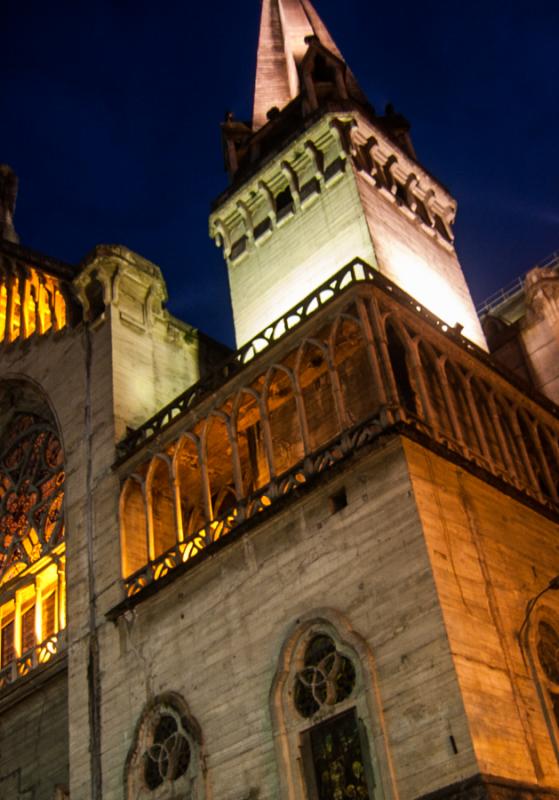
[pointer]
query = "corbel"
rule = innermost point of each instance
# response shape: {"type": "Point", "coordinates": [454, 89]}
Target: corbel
{"type": "Point", "coordinates": [318, 158]}
{"type": "Point", "coordinates": [270, 201]}
{"type": "Point", "coordinates": [293, 181]}
{"type": "Point", "coordinates": [248, 221]}
{"type": "Point", "coordinates": [342, 134]}
{"type": "Point", "coordinates": [221, 237]}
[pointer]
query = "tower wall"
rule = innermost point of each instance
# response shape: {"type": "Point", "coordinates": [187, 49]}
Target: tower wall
{"type": "Point", "coordinates": [490, 556]}
{"type": "Point", "coordinates": [215, 636]}
{"type": "Point", "coordinates": [301, 248]}
{"type": "Point", "coordinates": [354, 195]}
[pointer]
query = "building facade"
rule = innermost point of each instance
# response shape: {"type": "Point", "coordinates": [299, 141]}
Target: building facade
{"type": "Point", "coordinates": [321, 566]}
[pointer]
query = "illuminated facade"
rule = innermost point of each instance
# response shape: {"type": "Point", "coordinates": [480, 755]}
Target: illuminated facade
{"type": "Point", "coordinates": [315, 568]}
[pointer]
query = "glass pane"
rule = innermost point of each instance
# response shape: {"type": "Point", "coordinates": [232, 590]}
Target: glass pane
{"type": "Point", "coordinates": [8, 648]}
{"type": "Point", "coordinates": [28, 629]}
{"type": "Point", "coordinates": [337, 758]}
{"type": "Point", "coordinates": [49, 614]}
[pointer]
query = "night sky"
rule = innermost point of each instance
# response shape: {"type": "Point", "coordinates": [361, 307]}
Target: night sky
{"type": "Point", "coordinates": [111, 111]}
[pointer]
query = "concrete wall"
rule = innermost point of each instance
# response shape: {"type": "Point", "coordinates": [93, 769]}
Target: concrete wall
{"type": "Point", "coordinates": [490, 556]}
{"type": "Point", "coordinates": [34, 741]}
{"type": "Point", "coordinates": [215, 636]}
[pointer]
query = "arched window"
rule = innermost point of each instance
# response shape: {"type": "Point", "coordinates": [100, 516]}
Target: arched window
{"type": "Point", "coordinates": [32, 557]}
{"type": "Point", "coordinates": [166, 759]}
{"type": "Point", "coordinates": [543, 647]}
{"type": "Point", "coordinates": [399, 360]}
{"type": "Point", "coordinates": [322, 714]}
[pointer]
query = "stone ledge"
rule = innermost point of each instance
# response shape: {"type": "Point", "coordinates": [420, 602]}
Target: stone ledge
{"type": "Point", "coordinates": [491, 787]}
{"type": "Point", "coordinates": [37, 678]}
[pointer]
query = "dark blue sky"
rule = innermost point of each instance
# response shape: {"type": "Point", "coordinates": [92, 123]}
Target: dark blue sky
{"type": "Point", "coordinates": [111, 114]}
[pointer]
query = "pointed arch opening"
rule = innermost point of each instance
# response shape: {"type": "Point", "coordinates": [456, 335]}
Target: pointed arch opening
{"type": "Point", "coordinates": [133, 525]}
{"type": "Point", "coordinates": [285, 422]}
{"type": "Point", "coordinates": [432, 376]}
{"type": "Point", "coordinates": [161, 504]}
{"type": "Point", "coordinates": [351, 361]}
{"type": "Point", "coordinates": [481, 403]}
{"type": "Point", "coordinates": [315, 380]}
{"type": "Point", "coordinates": [190, 486]}
{"type": "Point", "coordinates": [253, 458]}
{"type": "Point", "coordinates": [459, 397]}
{"type": "Point", "coordinates": [32, 531]}
{"type": "Point", "coordinates": [398, 353]}
{"type": "Point", "coordinates": [219, 459]}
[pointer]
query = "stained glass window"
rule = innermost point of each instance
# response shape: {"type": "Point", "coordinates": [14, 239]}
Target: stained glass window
{"type": "Point", "coordinates": [28, 629]}
{"type": "Point", "coordinates": [32, 607]}
{"type": "Point", "coordinates": [337, 758]}
{"type": "Point", "coordinates": [548, 654]}
{"type": "Point", "coordinates": [31, 494]}
{"type": "Point", "coordinates": [49, 616]}
{"type": "Point", "coordinates": [334, 755]}
{"type": "Point", "coordinates": [7, 643]}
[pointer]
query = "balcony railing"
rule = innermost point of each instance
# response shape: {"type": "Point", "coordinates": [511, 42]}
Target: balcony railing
{"type": "Point", "coordinates": [34, 657]}
{"type": "Point", "coordinates": [366, 358]}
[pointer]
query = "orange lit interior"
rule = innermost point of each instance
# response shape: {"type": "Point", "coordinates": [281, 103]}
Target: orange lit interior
{"type": "Point", "coordinates": [34, 614]}
{"type": "Point", "coordinates": [30, 304]}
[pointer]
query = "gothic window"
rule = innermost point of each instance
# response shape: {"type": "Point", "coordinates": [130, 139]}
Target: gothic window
{"type": "Point", "coordinates": [165, 760]}
{"type": "Point", "coordinates": [31, 492]}
{"type": "Point", "coordinates": [333, 750]}
{"type": "Point", "coordinates": [322, 714]}
{"type": "Point", "coordinates": [547, 648]}
{"type": "Point", "coordinates": [32, 604]}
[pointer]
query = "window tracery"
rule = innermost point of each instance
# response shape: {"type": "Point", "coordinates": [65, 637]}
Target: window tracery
{"type": "Point", "coordinates": [547, 648]}
{"type": "Point", "coordinates": [32, 562]}
{"type": "Point", "coordinates": [166, 760]}
{"type": "Point", "coordinates": [323, 720]}
{"type": "Point", "coordinates": [31, 493]}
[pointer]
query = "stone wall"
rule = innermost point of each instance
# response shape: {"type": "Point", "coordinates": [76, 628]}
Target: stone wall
{"type": "Point", "coordinates": [215, 634]}
{"type": "Point", "coordinates": [490, 556]}
{"type": "Point", "coordinates": [34, 738]}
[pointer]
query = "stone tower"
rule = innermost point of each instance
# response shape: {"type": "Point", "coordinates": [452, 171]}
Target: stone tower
{"type": "Point", "coordinates": [319, 177]}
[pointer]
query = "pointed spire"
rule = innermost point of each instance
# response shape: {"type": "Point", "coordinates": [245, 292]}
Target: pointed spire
{"type": "Point", "coordinates": [284, 25]}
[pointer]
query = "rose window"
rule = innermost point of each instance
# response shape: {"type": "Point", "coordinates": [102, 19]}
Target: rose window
{"type": "Point", "coordinates": [31, 494]}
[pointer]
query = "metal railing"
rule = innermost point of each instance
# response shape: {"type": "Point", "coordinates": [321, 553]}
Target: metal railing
{"type": "Point", "coordinates": [34, 657]}
{"type": "Point", "coordinates": [517, 285]}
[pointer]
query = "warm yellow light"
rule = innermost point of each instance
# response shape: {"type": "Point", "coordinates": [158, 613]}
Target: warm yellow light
{"type": "Point", "coordinates": [29, 305]}
{"type": "Point", "coordinates": [434, 291]}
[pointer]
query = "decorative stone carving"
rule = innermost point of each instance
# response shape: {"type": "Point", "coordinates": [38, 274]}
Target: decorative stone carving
{"type": "Point", "coordinates": [542, 294]}
{"type": "Point", "coordinates": [8, 196]}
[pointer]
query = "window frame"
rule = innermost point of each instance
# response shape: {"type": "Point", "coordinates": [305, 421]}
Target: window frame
{"type": "Point", "coordinates": [292, 731]}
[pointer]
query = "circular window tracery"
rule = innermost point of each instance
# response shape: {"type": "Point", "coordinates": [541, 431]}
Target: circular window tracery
{"type": "Point", "coordinates": [327, 677]}
{"type": "Point", "coordinates": [169, 756]}
{"type": "Point", "coordinates": [165, 760]}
